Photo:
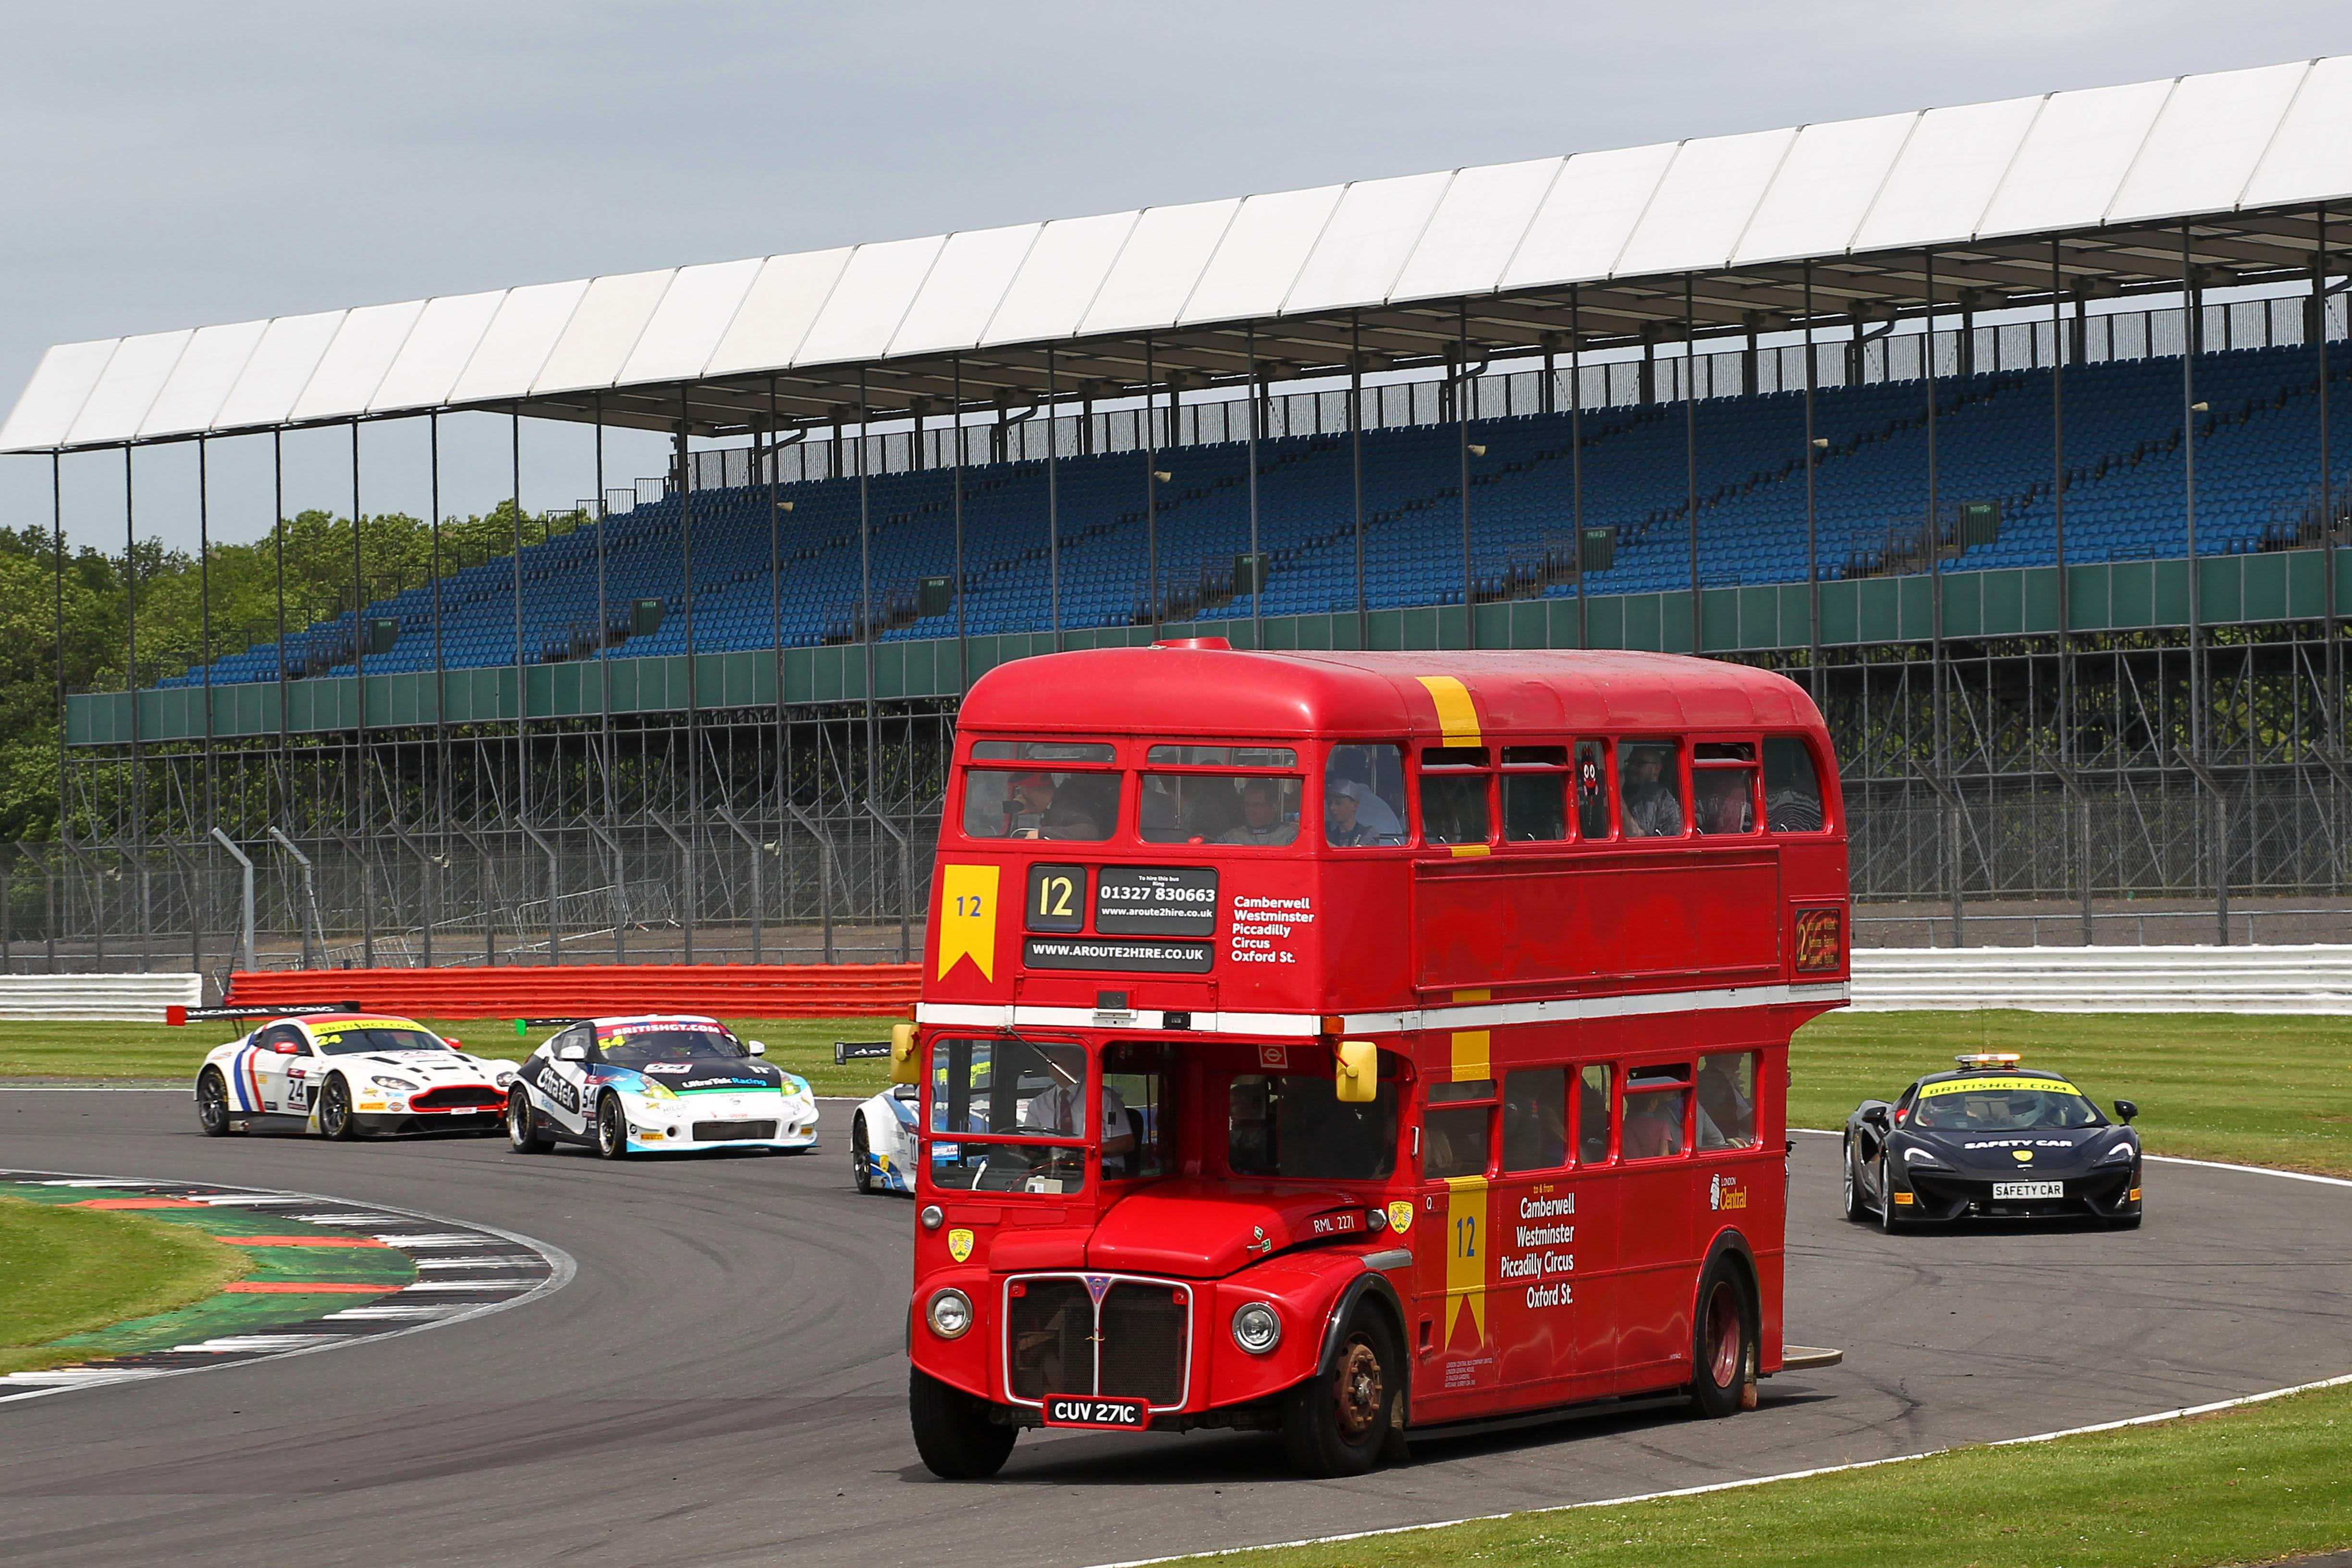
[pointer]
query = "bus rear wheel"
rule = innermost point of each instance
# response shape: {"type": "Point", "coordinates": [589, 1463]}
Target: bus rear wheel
{"type": "Point", "coordinates": [1336, 1423]}
{"type": "Point", "coordinates": [1723, 1351]}
{"type": "Point", "coordinates": [953, 1431]}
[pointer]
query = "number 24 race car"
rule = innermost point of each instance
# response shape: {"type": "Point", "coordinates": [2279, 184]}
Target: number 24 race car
{"type": "Point", "coordinates": [663, 1083]}
{"type": "Point", "coordinates": [1992, 1140]}
{"type": "Point", "coordinates": [343, 1074]}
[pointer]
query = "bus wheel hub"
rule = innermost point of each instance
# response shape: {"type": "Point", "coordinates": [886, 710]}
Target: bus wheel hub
{"type": "Point", "coordinates": [1358, 1391]}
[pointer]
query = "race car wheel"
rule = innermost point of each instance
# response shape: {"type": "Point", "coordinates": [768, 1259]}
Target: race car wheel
{"type": "Point", "coordinates": [1336, 1422]}
{"type": "Point", "coordinates": [211, 1103]}
{"type": "Point", "coordinates": [612, 1128]}
{"type": "Point", "coordinates": [1856, 1210]}
{"type": "Point", "coordinates": [522, 1124]}
{"type": "Point", "coordinates": [335, 1117]}
{"type": "Point", "coordinates": [953, 1431]}
{"type": "Point", "coordinates": [859, 1154]}
{"type": "Point", "coordinates": [1723, 1352]}
{"type": "Point", "coordinates": [1887, 1220]}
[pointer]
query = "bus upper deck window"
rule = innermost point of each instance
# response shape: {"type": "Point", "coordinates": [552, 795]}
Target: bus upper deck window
{"type": "Point", "coordinates": [1591, 791]}
{"type": "Point", "coordinates": [1793, 792]}
{"type": "Point", "coordinates": [1650, 788]}
{"type": "Point", "coordinates": [1363, 797]}
{"type": "Point", "coordinates": [1723, 786]}
{"type": "Point", "coordinates": [1535, 793]}
{"type": "Point", "coordinates": [1453, 795]}
{"type": "Point", "coordinates": [1231, 805]}
{"type": "Point", "coordinates": [1039, 803]}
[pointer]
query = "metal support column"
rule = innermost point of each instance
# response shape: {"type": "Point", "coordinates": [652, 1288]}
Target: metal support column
{"type": "Point", "coordinates": [246, 929]}
{"type": "Point", "coordinates": [1576, 454]}
{"type": "Point", "coordinates": [130, 685]}
{"type": "Point", "coordinates": [2330, 588]}
{"type": "Point", "coordinates": [963, 642]}
{"type": "Point", "coordinates": [1052, 490]}
{"type": "Point", "coordinates": [2065, 716]}
{"type": "Point", "coordinates": [358, 788]}
{"type": "Point", "coordinates": [1690, 451]}
{"type": "Point", "coordinates": [1814, 445]}
{"type": "Point", "coordinates": [689, 888]}
{"type": "Point", "coordinates": [1257, 562]}
{"type": "Point", "coordinates": [1356, 466]}
{"type": "Point", "coordinates": [1935, 544]}
{"type": "Point", "coordinates": [605, 706]}
{"type": "Point", "coordinates": [197, 895]}
{"type": "Point", "coordinates": [1150, 420]}
{"type": "Point", "coordinates": [1462, 455]}
{"type": "Point", "coordinates": [2192, 309]}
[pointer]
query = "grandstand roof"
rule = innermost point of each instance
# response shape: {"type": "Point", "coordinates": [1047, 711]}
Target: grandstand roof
{"type": "Point", "coordinates": [2111, 174]}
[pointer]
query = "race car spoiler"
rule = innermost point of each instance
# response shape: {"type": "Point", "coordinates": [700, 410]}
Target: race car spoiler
{"type": "Point", "coordinates": [179, 1015]}
{"type": "Point", "coordinates": [858, 1050]}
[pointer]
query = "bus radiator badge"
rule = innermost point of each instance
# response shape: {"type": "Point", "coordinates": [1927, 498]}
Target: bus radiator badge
{"type": "Point", "coordinates": [1096, 1285]}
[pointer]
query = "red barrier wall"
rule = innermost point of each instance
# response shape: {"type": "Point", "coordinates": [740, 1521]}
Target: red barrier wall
{"type": "Point", "coordinates": [728, 990]}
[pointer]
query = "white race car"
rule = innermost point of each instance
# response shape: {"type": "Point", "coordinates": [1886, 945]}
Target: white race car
{"type": "Point", "coordinates": [661, 1081]}
{"type": "Point", "coordinates": [344, 1074]}
{"type": "Point", "coordinates": [882, 1141]}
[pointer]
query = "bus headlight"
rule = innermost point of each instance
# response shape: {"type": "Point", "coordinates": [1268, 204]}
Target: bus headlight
{"type": "Point", "coordinates": [951, 1314]}
{"type": "Point", "coordinates": [1257, 1328]}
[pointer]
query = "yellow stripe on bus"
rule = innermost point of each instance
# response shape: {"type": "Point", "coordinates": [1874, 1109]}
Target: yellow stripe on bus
{"type": "Point", "coordinates": [1457, 716]}
{"type": "Point", "coordinates": [1465, 1257]}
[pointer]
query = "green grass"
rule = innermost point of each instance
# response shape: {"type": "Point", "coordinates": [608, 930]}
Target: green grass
{"type": "Point", "coordinates": [2248, 1485]}
{"type": "Point", "coordinates": [71, 1271]}
{"type": "Point", "coordinates": [2210, 1086]}
{"type": "Point", "coordinates": [127, 1052]}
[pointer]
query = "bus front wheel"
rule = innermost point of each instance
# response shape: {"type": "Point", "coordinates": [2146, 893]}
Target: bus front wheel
{"type": "Point", "coordinates": [1336, 1423]}
{"type": "Point", "coordinates": [1723, 1352]}
{"type": "Point", "coordinates": [953, 1431]}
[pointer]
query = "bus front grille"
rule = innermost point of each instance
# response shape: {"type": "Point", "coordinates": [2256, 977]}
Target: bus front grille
{"type": "Point", "coordinates": [1136, 1343]}
{"type": "Point", "coordinates": [1052, 1325]}
{"type": "Point", "coordinates": [1144, 1342]}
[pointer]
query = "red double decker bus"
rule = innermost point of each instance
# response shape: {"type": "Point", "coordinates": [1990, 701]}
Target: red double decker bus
{"type": "Point", "coordinates": [1352, 1043]}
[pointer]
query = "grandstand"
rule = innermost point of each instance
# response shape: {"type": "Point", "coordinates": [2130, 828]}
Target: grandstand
{"type": "Point", "coordinates": [2005, 427]}
{"type": "Point", "coordinates": [2258, 458]}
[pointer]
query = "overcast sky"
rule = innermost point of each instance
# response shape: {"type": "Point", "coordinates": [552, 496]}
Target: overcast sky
{"type": "Point", "coordinates": [173, 165]}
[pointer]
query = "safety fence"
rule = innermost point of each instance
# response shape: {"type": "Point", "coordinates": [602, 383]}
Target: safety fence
{"type": "Point", "coordinates": [113, 998]}
{"type": "Point", "coordinates": [2315, 979]}
{"type": "Point", "coordinates": [728, 990]}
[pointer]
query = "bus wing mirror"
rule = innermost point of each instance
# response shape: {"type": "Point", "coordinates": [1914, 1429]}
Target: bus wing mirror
{"type": "Point", "coordinates": [1359, 1073]}
{"type": "Point", "coordinates": [906, 1066]}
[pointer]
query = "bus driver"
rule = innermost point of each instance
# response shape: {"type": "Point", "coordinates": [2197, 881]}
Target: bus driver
{"type": "Point", "coordinates": [1057, 1109]}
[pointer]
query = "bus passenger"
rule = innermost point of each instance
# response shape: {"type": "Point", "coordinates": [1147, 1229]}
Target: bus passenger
{"type": "Point", "coordinates": [1654, 1126]}
{"type": "Point", "coordinates": [1652, 807]}
{"type": "Point", "coordinates": [1262, 819]}
{"type": "Point", "coordinates": [1793, 796]}
{"type": "Point", "coordinates": [1041, 809]}
{"type": "Point", "coordinates": [1344, 820]}
{"type": "Point", "coordinates": [1726, 1112]}
{"type": "Point", "coordinates": [1722, 800]}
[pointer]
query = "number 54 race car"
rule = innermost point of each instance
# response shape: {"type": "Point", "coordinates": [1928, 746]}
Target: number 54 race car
{"type": "Point", "coordinates": [1992, 1140]}
{"type": "Point", "coordinates": [628, 1086]}
{"type": "Point", "coordinates": [342, 1074]}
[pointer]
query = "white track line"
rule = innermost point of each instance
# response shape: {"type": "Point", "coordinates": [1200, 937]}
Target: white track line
{"type": "Point", "coordinates": [2186, 1410]}
{"type": "Point", "coordinates": [559, 1264]}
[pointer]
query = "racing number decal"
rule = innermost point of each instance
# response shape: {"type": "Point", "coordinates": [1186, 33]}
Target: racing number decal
{"type": "Point", "coordinates": [968, 918]}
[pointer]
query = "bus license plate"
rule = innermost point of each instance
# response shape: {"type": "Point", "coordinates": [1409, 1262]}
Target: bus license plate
{"type": "Point", "coordinates": [1117, 1415]}
{"type": "Point", "coordinates": [2028, 1190]}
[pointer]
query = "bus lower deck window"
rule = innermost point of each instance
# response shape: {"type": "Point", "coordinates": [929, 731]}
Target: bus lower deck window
{"type": "Point", "coordinates": [1592, 1115]}
{"type": "Point", "coordinates": [1534, 1119]}
{"type": "Point", "coordinates": [1727, 1101]}
{"type": "Point", "coordinates": [1295, 1125]}
{"type": "Point", "coordinates": [1535, 803]}
{"type": "Point", "coordinates": [1452, 805]}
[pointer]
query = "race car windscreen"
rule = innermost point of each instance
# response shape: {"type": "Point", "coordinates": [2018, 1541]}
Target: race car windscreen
{"type": "Point", "coordinates": [1009, 1086]}
{"type": "Point", "coordinates": [633, 1048]}
{"type": "Point", "coordinates": [2002, 1105]}
{"type": "Point", "coordinates": [359, 1039]}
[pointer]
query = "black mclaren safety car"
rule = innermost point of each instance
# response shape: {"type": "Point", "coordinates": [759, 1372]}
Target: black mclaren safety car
{"type": "Point", "coordinates": [1992, 1140]}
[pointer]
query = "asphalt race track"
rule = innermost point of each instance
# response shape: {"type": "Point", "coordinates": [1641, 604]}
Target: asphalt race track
{"type": "Point", "coordinates": [723, 1381]}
